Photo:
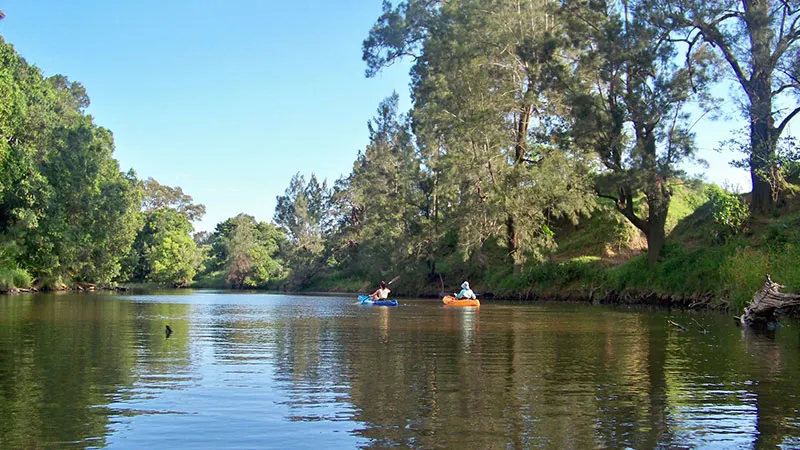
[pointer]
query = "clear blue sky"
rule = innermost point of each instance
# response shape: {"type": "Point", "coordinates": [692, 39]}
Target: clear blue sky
{"type": "Point", "coordinates": [229, 99]}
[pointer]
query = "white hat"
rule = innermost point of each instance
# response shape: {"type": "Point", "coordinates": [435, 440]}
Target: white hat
{"type": "Point", "coordinates": [465, 285]}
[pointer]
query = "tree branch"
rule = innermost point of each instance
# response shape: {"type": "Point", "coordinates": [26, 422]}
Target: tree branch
{"type": "Point", "coordinates": [609, 197]}
{"type": "Point", "coordinates": [784, 87]}
{"type": "Point", "coordinates": [785, 41]}
{"type": "Point", "coordinates": [785, 121]}
{"type": "Point", "coordinates": [713, 36]}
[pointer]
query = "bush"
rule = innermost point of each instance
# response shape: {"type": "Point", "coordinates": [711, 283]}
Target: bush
{"type": "Point", "coordinates": [14, 278]}
{"type": "Point", "coordinates": [730, 214]}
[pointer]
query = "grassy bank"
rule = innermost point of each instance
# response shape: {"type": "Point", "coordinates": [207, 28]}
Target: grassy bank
{"type": "Point", "coordinates": [702, 265]}
{"type": "Point", "coordinates": [705, 263]}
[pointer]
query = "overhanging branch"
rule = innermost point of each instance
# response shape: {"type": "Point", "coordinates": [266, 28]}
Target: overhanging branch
{"type": "Point", "coordinates": [785, 121]}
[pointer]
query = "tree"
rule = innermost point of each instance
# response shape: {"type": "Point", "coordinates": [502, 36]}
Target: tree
{"type": "Point", "coordinates": [760, 42]}
{"type": "Point", "coordinates": [89, 222]}
{"type": "Point", "coordinates": [164, 251]}
{"type": "Point", "coordinates": [481, 114]}
{"type": "Point", "coordinates": [22, 186]}
{"type": "Point", "coordinates": [250, 249]}
{"type": "Point", "coordinates": [303, 213]}
{"type": "Point", "coordinates": [380, 202]}
{"type": "Point", "coordinates": [157, 195]}
{"type": "Point", "coordinates": [627, 102]}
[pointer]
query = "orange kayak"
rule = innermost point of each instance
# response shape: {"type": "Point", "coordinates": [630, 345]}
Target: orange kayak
{"type": "Point", "coordinates": [449, 300]}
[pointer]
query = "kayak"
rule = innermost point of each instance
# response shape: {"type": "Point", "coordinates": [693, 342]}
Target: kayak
{"type": "Point", "coordinates": [449, 300]}
{"type": "Point", "coordinates": [366, 300]}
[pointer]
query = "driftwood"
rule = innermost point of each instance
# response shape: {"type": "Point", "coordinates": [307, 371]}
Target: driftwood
{"type": "Point", "coordinates": [769, 301]}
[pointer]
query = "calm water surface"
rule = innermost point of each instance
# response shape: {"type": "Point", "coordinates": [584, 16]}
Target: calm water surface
{"type": "Point", "coordinates": [253, 370]}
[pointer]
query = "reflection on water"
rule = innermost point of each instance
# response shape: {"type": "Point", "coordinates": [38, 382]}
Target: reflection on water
{"type": "Point", "coordinates": [274, 371]}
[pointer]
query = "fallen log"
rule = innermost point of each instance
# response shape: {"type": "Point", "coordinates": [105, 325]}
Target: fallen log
{"type": "Point", "coordinates": [762, 311]}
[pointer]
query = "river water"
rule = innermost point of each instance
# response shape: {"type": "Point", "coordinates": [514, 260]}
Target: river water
{"type": "Point", "coordinates": [255, 370]}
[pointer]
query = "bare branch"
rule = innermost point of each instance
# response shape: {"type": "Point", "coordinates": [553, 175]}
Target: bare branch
{"type": "Point", "coordinates": [786, 40]}
{"type": "Point", "coordinates": [713, 36]}
{"type": "Point", "coordinates": [785, 121]}
{"type": "Point", "coordinates": [784, 87]}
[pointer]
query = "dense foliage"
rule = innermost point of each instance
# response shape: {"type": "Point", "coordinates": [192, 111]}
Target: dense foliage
{"type": "Point", "coordinates": [543, 145]}
{"type": "Point", "coordinates": [67, 213]}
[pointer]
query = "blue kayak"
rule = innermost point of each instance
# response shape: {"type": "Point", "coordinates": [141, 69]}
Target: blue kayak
{"type": "Point", "coordinates": [366, 300]}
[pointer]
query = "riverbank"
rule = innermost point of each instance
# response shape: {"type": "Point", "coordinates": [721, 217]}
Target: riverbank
{"type": "Point", "coordinates": [601, 260]}
{"type": "Point", "coordinates": [705, 264]}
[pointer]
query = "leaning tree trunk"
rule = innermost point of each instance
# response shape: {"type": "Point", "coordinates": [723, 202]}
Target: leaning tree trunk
{"type": "Point", "coordinates": [761, 312]}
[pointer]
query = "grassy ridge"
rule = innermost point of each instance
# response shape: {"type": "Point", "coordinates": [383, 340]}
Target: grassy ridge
{"type": "Point", "coordinates": [698, 265]}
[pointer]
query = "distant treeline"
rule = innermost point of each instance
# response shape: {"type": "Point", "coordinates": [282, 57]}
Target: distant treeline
{"type": "Point", "coordinates": [528, 118]}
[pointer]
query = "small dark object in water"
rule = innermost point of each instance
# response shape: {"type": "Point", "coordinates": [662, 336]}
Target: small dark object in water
{"type": "Point", "coordinates": [169, 331]}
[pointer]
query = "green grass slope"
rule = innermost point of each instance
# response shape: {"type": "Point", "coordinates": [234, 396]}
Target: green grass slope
{"type": "Point", "coordinates": [604, 258]}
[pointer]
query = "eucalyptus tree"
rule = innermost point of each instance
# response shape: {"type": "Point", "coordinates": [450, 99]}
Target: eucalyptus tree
{"type": "Point", "coordinates": [481, 81]}
{"type": "Point", "coordinates": [628, 99]}
{"type": "Point", "coordinates": [759, 41]}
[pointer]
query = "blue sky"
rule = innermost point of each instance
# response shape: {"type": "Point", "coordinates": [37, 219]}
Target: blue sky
{"type": "Point", "coordinates": [229, 99]}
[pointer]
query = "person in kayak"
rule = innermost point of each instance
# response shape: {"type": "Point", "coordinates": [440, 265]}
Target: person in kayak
{"type": "Point", "coordinates": [466, 292]}
{"type": "Point", "coordinates": [382, 293]}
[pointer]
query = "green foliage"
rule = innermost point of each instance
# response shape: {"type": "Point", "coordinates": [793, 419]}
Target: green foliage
{"type": "Point", "coordinates": [164, 251]}
{"type": "Point", "coordinates": [210, 280]}
{"type": "Point", "coordinates": [157, 196]}
{"type": "Point", "coordinates": [63, 201]}
{"type": "Point", "coordinates": [729, 212]}
{"type": "Point", "coordinates": [14, 278]}
{"type": "Point", "coordinates": [172, 255]}
{"type": "Point", "coordinates": [245, 254]}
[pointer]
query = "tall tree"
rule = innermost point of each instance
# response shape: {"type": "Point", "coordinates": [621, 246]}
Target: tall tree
{"type": "Point", "coordinates": [157, 195]}
{"type": "Point", "coordinates": [303, 212]}
{"type": "Point", "coordinates": [627, 104]}
{"type": "Point", "coordinates": [480, 81]}
{"type": "Point", "coordinates": [66, 210]}
{"type": "Point", "coordinates": [380, 202]}
{"type": "Point", "coordinates": [760, 42]}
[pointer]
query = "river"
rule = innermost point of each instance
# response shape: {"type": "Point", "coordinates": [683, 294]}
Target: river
{"type": "Point", "coordinates": [256, 370]}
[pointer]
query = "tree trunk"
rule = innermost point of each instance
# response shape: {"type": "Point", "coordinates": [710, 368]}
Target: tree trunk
{"type": "Point", "coordinates": [512, 238]}
{"type": "Point", "coordinates": [761, 312]}
{"type": "Point", "coordinates": [658, 199]}
{"type": "Point", "coordinates": [656, 237]}
{"type": "Point", "coordinates": [759, 92]}
{"type": "Point", "coordinates": [762, 146]}
{"type": "Point", "coordinates": [522, 133]}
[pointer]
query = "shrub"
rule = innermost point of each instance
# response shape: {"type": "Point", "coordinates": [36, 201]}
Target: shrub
{"type": "Point", "coordinates": [730, 214]}
{"type": "Point", "coordinates": [14, 278]}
